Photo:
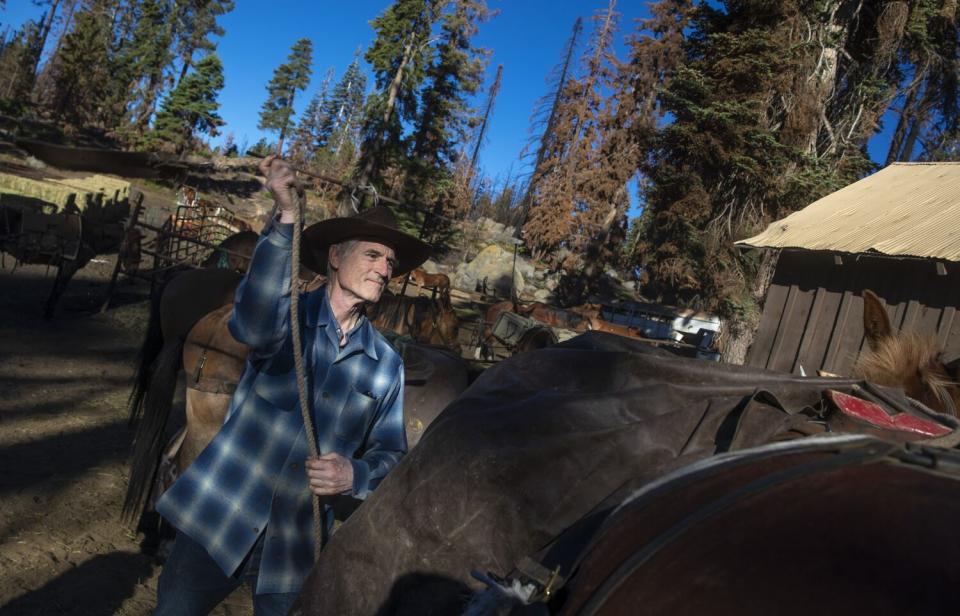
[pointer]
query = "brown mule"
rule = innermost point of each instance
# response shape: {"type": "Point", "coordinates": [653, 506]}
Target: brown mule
{"type": "Point", "coordinates": [907, 360]}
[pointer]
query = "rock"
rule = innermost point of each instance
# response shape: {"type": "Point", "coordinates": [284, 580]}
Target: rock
{"type": "Point", "coordinates": [542, 295]}
{"type": "Point", "coordinates": [496, 266]}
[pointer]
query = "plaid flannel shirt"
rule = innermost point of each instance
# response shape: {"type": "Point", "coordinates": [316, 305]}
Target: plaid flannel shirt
{"type": "Point", "coordinates": [250, 479]}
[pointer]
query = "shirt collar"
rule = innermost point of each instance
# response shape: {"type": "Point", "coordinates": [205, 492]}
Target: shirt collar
{"type": "Point", "coordinates": [319, 314]}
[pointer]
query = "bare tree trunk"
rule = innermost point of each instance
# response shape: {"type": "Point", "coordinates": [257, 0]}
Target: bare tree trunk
{"type": "Point", "coordinates": [44, 31]}
{"type": "Point", "coordinates": [896, 142]}
{"type": "Point", "coordinates": [494, 89]}
{"type": "Point", "coordinates": [739, 334]}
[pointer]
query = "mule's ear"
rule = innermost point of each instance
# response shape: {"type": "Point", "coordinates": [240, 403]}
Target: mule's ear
{"type": "Point", "coordinates": [876, 321]}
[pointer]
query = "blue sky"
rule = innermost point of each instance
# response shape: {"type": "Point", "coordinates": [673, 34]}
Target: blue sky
{"type": "Point", "coordinates": [527, 37]}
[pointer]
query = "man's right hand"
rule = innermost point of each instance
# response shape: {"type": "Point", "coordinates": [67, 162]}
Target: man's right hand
{"type": "Point", "coordinates": [282, 182]}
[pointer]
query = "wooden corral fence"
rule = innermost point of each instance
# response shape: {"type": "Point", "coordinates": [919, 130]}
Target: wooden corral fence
{"type": "Point", "coordinates": [813, 315]}
{"type": "Point", "coordinates": [186, 239]}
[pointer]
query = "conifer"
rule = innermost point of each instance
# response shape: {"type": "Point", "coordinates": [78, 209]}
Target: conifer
{"type": "Point", "coordinates": [198, 23]}
{"type": "Point", "coordinates": [343, 109]}
{"type": "Point", "coordinates": [306, 140]}
{"type": "Point", "coordinates": [289, 78]}
{"type": "Point", "coordinates": [192, 106]}
{"type": "Point", "coordinates": [398, 57]}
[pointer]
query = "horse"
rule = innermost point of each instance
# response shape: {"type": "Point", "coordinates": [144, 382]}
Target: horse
{"type": "Point", "coordinates": [438, 283]}
{"type": "Point", "coordinates": [428, 321]}
{"type": "Point", "coordinates": [906, 359]}
{"type": "Point", "coordinates": [540, 471]}
{"type": "Point", "coordinates": [233, 253]}
{"type": "Point", "coordinates": [188, 331]}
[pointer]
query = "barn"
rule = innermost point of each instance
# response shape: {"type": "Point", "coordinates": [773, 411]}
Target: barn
{"type": "Point", "coordinates": [897, 233]}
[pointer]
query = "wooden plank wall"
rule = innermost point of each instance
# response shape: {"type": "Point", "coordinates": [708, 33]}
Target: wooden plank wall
{"type": "Point", "coordinates": [813, 315]}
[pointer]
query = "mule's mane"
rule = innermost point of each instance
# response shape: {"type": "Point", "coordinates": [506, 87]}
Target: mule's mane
{"type": "Point", "coordinates": [902, 357]}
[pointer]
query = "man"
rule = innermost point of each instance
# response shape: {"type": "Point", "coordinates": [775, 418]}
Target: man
{"type": "Point", "coordinates": [243, 509]}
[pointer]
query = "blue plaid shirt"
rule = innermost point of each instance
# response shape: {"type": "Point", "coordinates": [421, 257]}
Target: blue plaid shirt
{"type": "Point", "coordinates": [250, 480]}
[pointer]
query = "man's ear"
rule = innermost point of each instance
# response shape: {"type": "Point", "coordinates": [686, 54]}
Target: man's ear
{"type": "Point", "coordinates": [333, 257]}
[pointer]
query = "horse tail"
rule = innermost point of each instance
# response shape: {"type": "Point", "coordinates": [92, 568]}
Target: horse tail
{"type": "Point", "coordinates": [149, 350]}
{"type": "Point", "coordinates": [155, 404]}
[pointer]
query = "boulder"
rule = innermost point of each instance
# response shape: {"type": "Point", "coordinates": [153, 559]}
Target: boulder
{"type": "Point", "coordinates": [496, 266]}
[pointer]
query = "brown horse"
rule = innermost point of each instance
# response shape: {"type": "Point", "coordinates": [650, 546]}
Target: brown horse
{"type": "Point", "coordinates": [233, 253]}
{"type": "Point", "coordinates": [906, 360]}
{"type": "Point", "coordinates": [438, 283]}
{"type": "Point", "coordinates": [534, 461]}
{"type": "Point", "coordinates": [429, 321]}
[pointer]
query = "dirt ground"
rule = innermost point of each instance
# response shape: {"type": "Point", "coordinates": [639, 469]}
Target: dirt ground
{"type": "Point", "coordinates": [64, 443]}
{"type": "Point", "coordinates": [63, 448]}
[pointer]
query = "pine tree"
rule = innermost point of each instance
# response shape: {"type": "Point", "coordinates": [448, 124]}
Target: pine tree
{"type": "Point", "coordinates": [444, 117]}
{"type": "Point", "coordinates": [772, 106]}
{"type": "Point", "coordinates": [198, 23]}
{"type": "Point", "coordinates": [44, 30]}
{"type": "Point", "coordinates": [289, 78]}
{"type": "Point", "coordinates": [261, 148]}
{"type": "Point", "coordinates": [343, 109]}
{"type": "Point", "coordinates": [18, 58]}
{"type": "Point", "coordinates": [581, 189]}
{"type": "Point", "coordinates": [306, 140]}
{"type": "Point", "coordinates": [192, 106]}
{"type": "Point", "coordinates": [86, 88]}
{"type": "Point", "coordinates": [230, 149]}
{"type": "Point", "coordinates": [398, 56]}
{"type": "Point", "coordinates": [547, 105]}
{"type": "Point", "coordinates": [148, 55]}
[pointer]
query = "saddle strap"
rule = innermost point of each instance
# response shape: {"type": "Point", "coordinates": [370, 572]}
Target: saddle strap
{"type": "Point", "coordinates": [211, 385]}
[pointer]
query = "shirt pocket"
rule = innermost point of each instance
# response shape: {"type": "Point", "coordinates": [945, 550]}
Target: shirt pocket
{"type": "Point", "coordinates": [355, 416]}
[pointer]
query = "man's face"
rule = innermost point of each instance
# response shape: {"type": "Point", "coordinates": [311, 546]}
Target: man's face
{"type": "Point", "coordinates": [363, 270]}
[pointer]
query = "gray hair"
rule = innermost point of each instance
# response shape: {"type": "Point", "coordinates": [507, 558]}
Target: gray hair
{"type": "Point", "coordinates": [343, 249]}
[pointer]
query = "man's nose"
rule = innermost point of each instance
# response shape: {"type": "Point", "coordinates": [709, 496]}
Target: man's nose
{"type": "Point", "coordinates": [383, 268]}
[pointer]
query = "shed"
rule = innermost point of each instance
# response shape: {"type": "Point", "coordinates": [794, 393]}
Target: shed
{"type": "Point", "coordinates": [897, 233]}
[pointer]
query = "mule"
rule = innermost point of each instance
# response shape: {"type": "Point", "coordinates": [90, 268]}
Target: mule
{"type": "Point", "coordinates": [907, 360]}
{"type": "Point", "coordinates": [533, 459]}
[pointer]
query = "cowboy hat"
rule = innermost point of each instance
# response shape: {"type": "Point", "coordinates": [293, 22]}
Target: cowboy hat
{"type": "Point", "coordinates": [375, 224]}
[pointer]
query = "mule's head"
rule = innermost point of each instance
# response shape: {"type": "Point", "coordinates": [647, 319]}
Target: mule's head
{"type": "Point", "coordinates": [906, 360]}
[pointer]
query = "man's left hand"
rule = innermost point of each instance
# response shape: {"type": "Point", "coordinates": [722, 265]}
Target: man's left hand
{"type": "Point", "coordinates": [329, 474]}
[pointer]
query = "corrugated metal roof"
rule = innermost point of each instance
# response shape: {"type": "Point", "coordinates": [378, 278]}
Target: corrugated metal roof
{"type": "Point", "coordinates": [906, 209]}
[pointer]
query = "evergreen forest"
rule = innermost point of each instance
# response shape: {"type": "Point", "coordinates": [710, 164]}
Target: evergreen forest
{"type": "Point", "coordinates": [719, 118]}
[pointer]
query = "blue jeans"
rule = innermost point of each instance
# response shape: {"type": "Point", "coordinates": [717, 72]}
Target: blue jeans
{"type": "Point", "coordinates": [192, 583]}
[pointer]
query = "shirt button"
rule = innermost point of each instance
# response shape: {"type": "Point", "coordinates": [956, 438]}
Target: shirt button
{"type": "Point", "coordinates": [256, 530]}
{"type": "Point", "coordinates": [326, 395]}
{"type": "Point", "coordinates": [293, 465]}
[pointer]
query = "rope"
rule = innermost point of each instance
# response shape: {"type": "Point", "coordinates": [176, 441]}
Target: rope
{"type": "Point", "coordinates": [318, 525]}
